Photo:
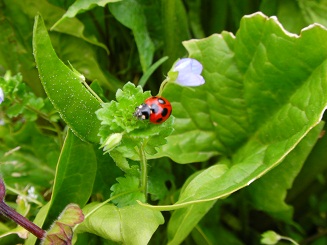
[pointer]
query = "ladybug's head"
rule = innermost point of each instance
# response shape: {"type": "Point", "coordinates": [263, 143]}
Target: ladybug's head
{"type": "Point", "coordinates": [142, 112]}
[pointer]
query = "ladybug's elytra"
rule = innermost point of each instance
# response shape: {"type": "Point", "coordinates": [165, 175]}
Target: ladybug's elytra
{"type": "Point", "coordinates": [157, 109]}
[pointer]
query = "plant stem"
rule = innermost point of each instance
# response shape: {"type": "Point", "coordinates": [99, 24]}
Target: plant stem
{"type": "Point", "coordinates": [162, 86]}
{"type": "Point", "coordinates": [289, 239]}
{"type": "Point", "coordinates": [144, 172]}
{"type": "Point", "coordinates": [21, 220]}
{"type": "Point", "coordinates": [91, 91]}
{"type": "Point", "coordinates": [18, 218]}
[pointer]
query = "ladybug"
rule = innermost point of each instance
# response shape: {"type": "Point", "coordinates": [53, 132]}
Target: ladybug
{"type": "Point", "coordinates": [157, 109]}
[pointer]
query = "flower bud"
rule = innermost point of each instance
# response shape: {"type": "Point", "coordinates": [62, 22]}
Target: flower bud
{"type": "Point", "coordinates": [111, 142]}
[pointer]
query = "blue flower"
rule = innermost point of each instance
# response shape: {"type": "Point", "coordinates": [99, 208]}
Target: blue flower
{"type": "Point", "coordinates": [2, 96]}
{"type": "Point", "coordinates": [189, 71]}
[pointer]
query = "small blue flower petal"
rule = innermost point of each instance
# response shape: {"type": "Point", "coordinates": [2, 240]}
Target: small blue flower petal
{"type": "Point", "coordinates": [188, 65]}
{"type": "Point", "coordinates": [189, 71]}
{"type": "Point", "coordinates": [190, 80]}
{"type": "Point", "coordinates": [2, 96]}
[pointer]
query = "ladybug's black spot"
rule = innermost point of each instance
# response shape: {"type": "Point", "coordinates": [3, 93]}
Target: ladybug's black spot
{"type": "Point", "coordinates": [164, 112]}
{"type": "Point", "coordinates": [145, 115]}
{"type": "Point", "coordinates": [161, 101]}
{"type": "Point", "coordinates": [159, 120]}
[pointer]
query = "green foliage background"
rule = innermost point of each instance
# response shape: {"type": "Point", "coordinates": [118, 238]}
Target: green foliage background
{"type": "Point", "coordinates": [247, 153]}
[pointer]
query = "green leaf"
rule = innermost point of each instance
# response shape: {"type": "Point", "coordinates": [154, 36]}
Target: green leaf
{"type": "Point", "coordinates": [314, 11]}
{"type": "Point", "coordinates": [76, 171]}
{"type": "Point", "coordinates": [127, 225]}
{"type": "Point", "coordinates": [265, 90]}
{"type": "Point", "coordinates": [64, 88]}
{"type": "Point", "coordinates": [51, 14]}
{"type": "Point", "coordinates": [313, 167]}
{"type": "Point", "coordinates": [81, 6]}
{"type": "Point", "coordinates": [127, 191]}
{"type": "Point", "coordinates": [250, 81]}
{"type": "Point", "coordinates": [132, 15]}
{"type": "Point", "coordinates": [75, 174]}
{"type": "Point", "coordinates": [69, 49]}
{"type": "Point", "coordinates": [269, 192]}
{"type": "Point", "coordinates": [192, 214]}
{"type": "Point", "coordinates": [188, 217]}
{"type": "Point", "coordinates": [39, 221]}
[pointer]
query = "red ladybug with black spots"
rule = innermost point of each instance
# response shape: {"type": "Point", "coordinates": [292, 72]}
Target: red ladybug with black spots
{"type": "Point", "coordinates": [156, 108]}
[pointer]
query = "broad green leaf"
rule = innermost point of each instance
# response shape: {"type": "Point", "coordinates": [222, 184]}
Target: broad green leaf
{"type": "Point", "coordinates": [218, 234]}
{"type": "Point", "coordinates": [69, 46]}
{"type": "Point", "coordinates": [128, 225]}
{"type": "Point", "coordinates": [269, 192]}
{"type": "Point", "coordinates": [188, 217]}
{"type": "Point", "coordinates": [132, 15]}
{"type": "Point", "coordinates": [85, 61]}
{"type": "Point", "coordinates": [265, 90]}
{"type": "Point", "coordinates": [289, 14]}
{"type": "Point", "coordinates": [81, 6]}
{"type": "Point", "coordinates": [295, 15]}
{"type": "Point", "coordinates": [249, 79]}
{"type": "Point", "coordinates": [314, 11]}
{"type": "Point", "coordinates": [75, 174]}
{"type": "Point", "coordinates": [192, 214]}
{"type": "Point", "coordinates": [76, 171]}
{"type": "Point", "coordinates": [51, 14]}
{"type": "Point", "coordinates": [314, 166]}
{"type": "Point", "coordinates": [64, 88]}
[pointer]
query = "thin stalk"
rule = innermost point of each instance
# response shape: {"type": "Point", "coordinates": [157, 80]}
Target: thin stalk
{"type": "Point", "coordinates": [24, 196]}
{"type": "Point", "coordinates": [144, 172]}
{"type": "Point", "coordinates": [162, 86]}
{"type": "Point", "coordinates": [21, 220]}
{"type": "Point", "coordinates": [289, 239]}
{"type": "Point", "coordinates": [91, 91]}
{"type": "Point", "coordinates": [18, 218]}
